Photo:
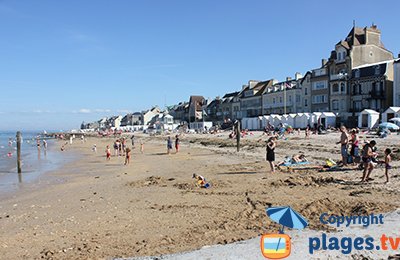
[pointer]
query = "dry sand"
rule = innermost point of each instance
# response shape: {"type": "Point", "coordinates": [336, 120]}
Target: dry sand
{"type": "Point", "coordinates": [97, 209]}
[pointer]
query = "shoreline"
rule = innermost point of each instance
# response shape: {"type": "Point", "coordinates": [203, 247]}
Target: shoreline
{"type": "Point", "coordinates": [151, 207]}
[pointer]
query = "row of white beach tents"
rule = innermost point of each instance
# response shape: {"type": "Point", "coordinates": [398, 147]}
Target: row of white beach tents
{"type": "Point", "coordinates": [299, 120]}
{"type": "Point", "coordinates": [369, 118]}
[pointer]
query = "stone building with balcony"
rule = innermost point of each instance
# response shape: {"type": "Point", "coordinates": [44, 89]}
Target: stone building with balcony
{"type": "Point", "coordinates": [362, 46]}
{"type": "Point", "coordinates": [371, 87]}
{"type": "Point", "coordinates": [251, 98]}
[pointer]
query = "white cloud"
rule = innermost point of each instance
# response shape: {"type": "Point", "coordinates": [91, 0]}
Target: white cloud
{"type": "Point", "coordinates": [84, 111]}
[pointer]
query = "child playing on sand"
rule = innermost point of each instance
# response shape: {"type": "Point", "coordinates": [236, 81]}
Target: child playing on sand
{"type": "Point", "coordinates": [388, 159]}
{"type": "Point", "coordinates": [127, 156]}
{"type": "Point", "coordinates": [108, 153]}
{"type": "Point", "coordinates": [94, 148]}
{"type": "Point", "coordinates": [200, 181]}
{"type": "Point", "coordinates": [141, 147]}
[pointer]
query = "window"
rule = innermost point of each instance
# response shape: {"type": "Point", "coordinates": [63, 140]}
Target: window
{"type": "Point", "coordinates": [339, 56]}
{"type": "Point", "coordinates": [305, 91]}
{"type": "Point", "coordinates": [335, 104]}
{"type": "Point", "coordinates": [342, 87]}
{"type": "Point", "coordinates": [344, 55]}
{"type": "Point", "coordinates": [377, 70]}
{"type": "Point", "coordinates": [305, 102]}
{"type": "Point", "coordinates": [297, 98]}
{"type": "Point", "coordinates": [280, 99]}
{"type": "Point", "coordinates": [357, 73]}
{"type": "Point", "coordinates": [290, 98]}
{"type": "Point", "coordinates": [319, 85]}
{"type": "Point", "coordinates": [335, 88]}
{"type": "Point", "coordinates": [318, 99]}
{"type": "Point", "coordinates": [273, 101]}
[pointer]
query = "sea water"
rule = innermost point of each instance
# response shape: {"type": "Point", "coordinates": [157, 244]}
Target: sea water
{"type": "Point", "coordinates": [35, 161]}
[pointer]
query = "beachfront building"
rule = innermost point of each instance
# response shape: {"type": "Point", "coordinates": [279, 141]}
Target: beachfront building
{"type": "Point", "coordinates": [319, 80]}
{"type": "Point", "coordinates": [214, 111]}
{"type": "Point", "coordinates": [132, 119]}
{"type": "Point", "coordinates": [196, 106]}
{"type": "Point", "coordinates": [305, 85]}
{"type": "Point", "coordinates": [251, 98]}
{"type": "Point", "coordinates": [362, 46]}
{"type": "Point", "coordinates": [396, 82]}
{"type": "Point", "coordinates": [283, 97]}
{"type": "Point", "coordinates": [226, 105]}
{"type": "Point", "coordinates": [371, 87]}
{"type": "Point", "coordinates": [149, 114]}
{"type": "Point", "coordinates": [180, 112]}
{"type": "Point", "coordinates": [114, 122]}
{"type": "Point", "coordinates": [236, 109]}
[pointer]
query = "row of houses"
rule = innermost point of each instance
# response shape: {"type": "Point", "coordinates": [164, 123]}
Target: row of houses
{"type": "Point", "coordinates": [359, 74]}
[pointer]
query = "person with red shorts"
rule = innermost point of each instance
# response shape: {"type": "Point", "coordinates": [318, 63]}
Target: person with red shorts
{"type": "Point", "coordinates": [177, 143]}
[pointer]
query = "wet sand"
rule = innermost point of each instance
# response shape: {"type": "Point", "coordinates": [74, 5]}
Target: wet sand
{"type": "Point", "coordinates": [105, 209]}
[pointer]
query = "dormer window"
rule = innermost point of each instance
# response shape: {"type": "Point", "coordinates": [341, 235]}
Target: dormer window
{"type": "Point", "coordinates": [357, 73]}
{"type": "Point", "coordinates": [339, 56]}
{"type": "Point", "coordinates": [377, 70]}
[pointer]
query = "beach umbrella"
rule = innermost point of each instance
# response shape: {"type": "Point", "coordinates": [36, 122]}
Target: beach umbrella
{"type": "Point", "coordinates": [389, 126]}
{"type": "Point", "coordinates": [287, 217]}
{"type": "Point", "coordinates": [395, 119]}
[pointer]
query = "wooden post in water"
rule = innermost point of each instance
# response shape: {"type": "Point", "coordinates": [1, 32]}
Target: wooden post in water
{"type": "Point", "coordinates": [237, 131]}
{"type": "Point", "coordinates": [19, 152]}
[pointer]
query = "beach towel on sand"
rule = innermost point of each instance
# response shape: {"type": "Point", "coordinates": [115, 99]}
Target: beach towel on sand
{"type": "Point", "coordinates": [290, 164]}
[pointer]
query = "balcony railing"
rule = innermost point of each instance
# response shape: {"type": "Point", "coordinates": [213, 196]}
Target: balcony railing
{"type": "Point", "coordinates": [377, 94]}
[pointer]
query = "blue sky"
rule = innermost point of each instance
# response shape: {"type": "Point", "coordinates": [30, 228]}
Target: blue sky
{"type": "Point", "coordinates": [62, 62]}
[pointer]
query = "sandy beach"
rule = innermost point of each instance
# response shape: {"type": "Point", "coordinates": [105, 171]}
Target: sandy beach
{"type": "Point", "coordinates": [98, 209]}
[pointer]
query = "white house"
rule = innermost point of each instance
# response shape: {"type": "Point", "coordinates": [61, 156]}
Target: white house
{"type": "Point", "coordinates": [390, 113]}
{"type": "Point", "coordinates": [368, 118]}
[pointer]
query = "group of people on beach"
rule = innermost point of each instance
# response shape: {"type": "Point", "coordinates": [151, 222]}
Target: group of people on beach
{"type": "Point", "coordinates": [169, 144]}
{"type": "Point", "coordinates": [368, 159]}
{"type": "Point", "coordinates": [350, 153]}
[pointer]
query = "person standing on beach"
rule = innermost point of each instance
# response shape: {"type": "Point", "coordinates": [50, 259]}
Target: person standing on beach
{"type": "Point", "coordinates": [354, 140]}
{"type": "Point", "coordinates": [344, 141]}
{"type": "Point", "coordinates": [169, 145]}
{"type": "Point", "coordinates": [177, 143]}
{"type": "Point", "coordinates": [388, 159]}
{"type": "Point", "coordinates": [44, 145]}
{"type": "Point", "coordinates": [141, 147]}
{"type": "Point", "coordinates": [367, 155]}
{"type": "Point", "coordinates": [271, 144]}
{"type": "Point", "coordinates": [116, 147]}
{"type": "Point", "coordinates": [108, 153]}
{"type": "Point", "coordinates": [133, 141]}
{"type": "Point", "coordinates": [127, 156]}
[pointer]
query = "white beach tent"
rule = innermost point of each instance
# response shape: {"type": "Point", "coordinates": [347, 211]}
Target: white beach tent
{"type": "Point", "coordinates": [275, 120]}
{"type": "Point", "coordinates": [250, 123]}
{"type": "Point", "coordinates": [288, 119]}
{"type": "Point", "coordinates": [255, 123]}
{"type": "Point", "coordinates": [314, 118]}
{"type": "Point", "coordinates": [264, 121]}
{"type": "Point", "coordinates": [244, 123]}
{"type": "Point", "coordinates": [368, 118]}
{"type": "Point", "coordinates": [301, 120]}
{"type": "Point", "coordinates": [328, 119]}
{"type": "Point", "coordinates": [390, 113]}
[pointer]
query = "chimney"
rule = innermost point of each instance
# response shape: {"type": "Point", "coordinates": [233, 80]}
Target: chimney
{"type": "Point", "coordinates": [288, 78]}
{"type": "Point", "coordinates": [298, 76]}
{"type": "Point", "coordinates": [323, 62]}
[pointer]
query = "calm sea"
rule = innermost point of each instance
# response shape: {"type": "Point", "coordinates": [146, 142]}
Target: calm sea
{"type": "Point", "coordinates": [34, 162]}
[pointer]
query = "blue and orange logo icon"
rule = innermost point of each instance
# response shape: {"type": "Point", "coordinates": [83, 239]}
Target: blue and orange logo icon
{"type": "Point", "coordinates": [275, 246]}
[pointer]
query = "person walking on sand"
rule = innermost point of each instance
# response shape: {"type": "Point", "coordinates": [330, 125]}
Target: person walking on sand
{"type": "Point", "coordinates": [354, 140]}
{"type": "Point", "coordinates": [388, 159]}
{"type": "Point", "coordinates": [141, 147]}
{"type": "Point", "coordinates": [344, 141]}
{"type": "Point", "coordinates": [177, 143]}
{"type": "Point", "coordinates": [127, 156]}
{"type": "Point", "coordinates": [116, 148]}
{"type": "Point", "coordinates": [367, 155]}
{"type": "Point", "coordinates": [271, 144]}
{"type": "Point", "coordinates": [169, 145]}
{"type": "Point", "coordinates": [108, 153]}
